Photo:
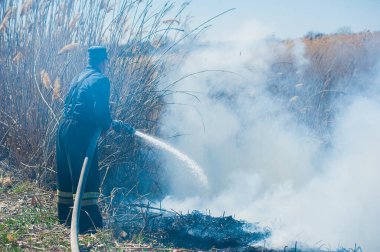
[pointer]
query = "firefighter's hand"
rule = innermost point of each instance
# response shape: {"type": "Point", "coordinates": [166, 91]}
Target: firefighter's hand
{"type": "Point", "coordinates": [117, 126]}
{"type": "Point", "coordinates": [129, 129]}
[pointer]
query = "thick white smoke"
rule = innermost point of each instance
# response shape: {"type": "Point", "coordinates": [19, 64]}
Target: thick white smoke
{"type": "Point", "coordinates": [262, 165]}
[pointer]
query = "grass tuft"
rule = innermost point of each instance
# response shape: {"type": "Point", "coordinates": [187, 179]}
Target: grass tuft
{"type": "Point", "coordinates": [68, 47]}
{"type": "Point", "coordinates": [45, 79]}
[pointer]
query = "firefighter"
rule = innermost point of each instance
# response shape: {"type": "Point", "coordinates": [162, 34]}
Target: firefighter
{"type": "Point", "coordinates": [86, 109]}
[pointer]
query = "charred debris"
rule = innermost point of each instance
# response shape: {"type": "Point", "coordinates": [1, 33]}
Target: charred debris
{"type": "Point", "coordinates": [193, 230]}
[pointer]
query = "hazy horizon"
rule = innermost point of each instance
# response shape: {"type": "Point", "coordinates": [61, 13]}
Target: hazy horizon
{"type": "Point", "coordinates": [284, 19]}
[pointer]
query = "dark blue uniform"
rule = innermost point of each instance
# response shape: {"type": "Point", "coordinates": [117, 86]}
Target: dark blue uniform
{"type": "Point", "coordinates": [86, 108]}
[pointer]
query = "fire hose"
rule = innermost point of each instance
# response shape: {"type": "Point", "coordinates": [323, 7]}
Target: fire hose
{"type": "Point", "coordinates": [119, 127]}
{"type": "Point", "coordinates": [74, 230]}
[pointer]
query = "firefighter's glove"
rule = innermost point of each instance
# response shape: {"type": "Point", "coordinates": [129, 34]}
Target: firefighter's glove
{"type": "Point", "coordinates": [122, 127]}
{"type": "Point", "coordinates": [127, 128]}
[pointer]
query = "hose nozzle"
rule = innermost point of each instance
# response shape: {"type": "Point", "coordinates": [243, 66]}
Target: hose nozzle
{"type": "Point", "coordinates": [123, 127]}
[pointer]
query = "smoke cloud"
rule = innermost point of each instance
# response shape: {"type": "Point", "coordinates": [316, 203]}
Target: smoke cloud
{"type": "Point", "coordinates": [262, 164]}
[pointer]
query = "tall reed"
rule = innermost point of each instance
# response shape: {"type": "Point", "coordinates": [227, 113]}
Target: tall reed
{"type": "Point", "coordinates": [334, 67]}
{"type": "Point", "coordinates": [43, 45]}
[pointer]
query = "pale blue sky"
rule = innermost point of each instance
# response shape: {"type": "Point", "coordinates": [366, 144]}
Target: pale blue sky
{"type": "Point", "coordinates": [288, 18]}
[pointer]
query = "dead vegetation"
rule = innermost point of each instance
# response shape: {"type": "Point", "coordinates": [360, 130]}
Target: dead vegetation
{"type": "Point", "coordinates": [313, 74]}
{"type": "Point", "coordinates": [43, 45]}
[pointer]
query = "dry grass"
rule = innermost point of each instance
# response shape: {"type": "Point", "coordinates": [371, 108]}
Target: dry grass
{"type": "Point", "coordinates": [335, 67]}
{"type": "Point", "coordinates": [28, 223]}
{"type": "Point", "coordinates": [45, 79]}
{"type": "Point", "coordinates": [57, 88]}
{"type": "Point", "coordinates": [4, 22]}
{"type": "Point", "coordinates": [43, 46]}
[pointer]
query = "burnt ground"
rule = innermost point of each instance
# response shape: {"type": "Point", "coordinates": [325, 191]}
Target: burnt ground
{"type": "Point", "coordinates": [199, 231]}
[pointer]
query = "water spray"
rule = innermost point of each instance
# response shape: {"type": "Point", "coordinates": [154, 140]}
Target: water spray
{"type": "Point", "coordinates": [195, 168]}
